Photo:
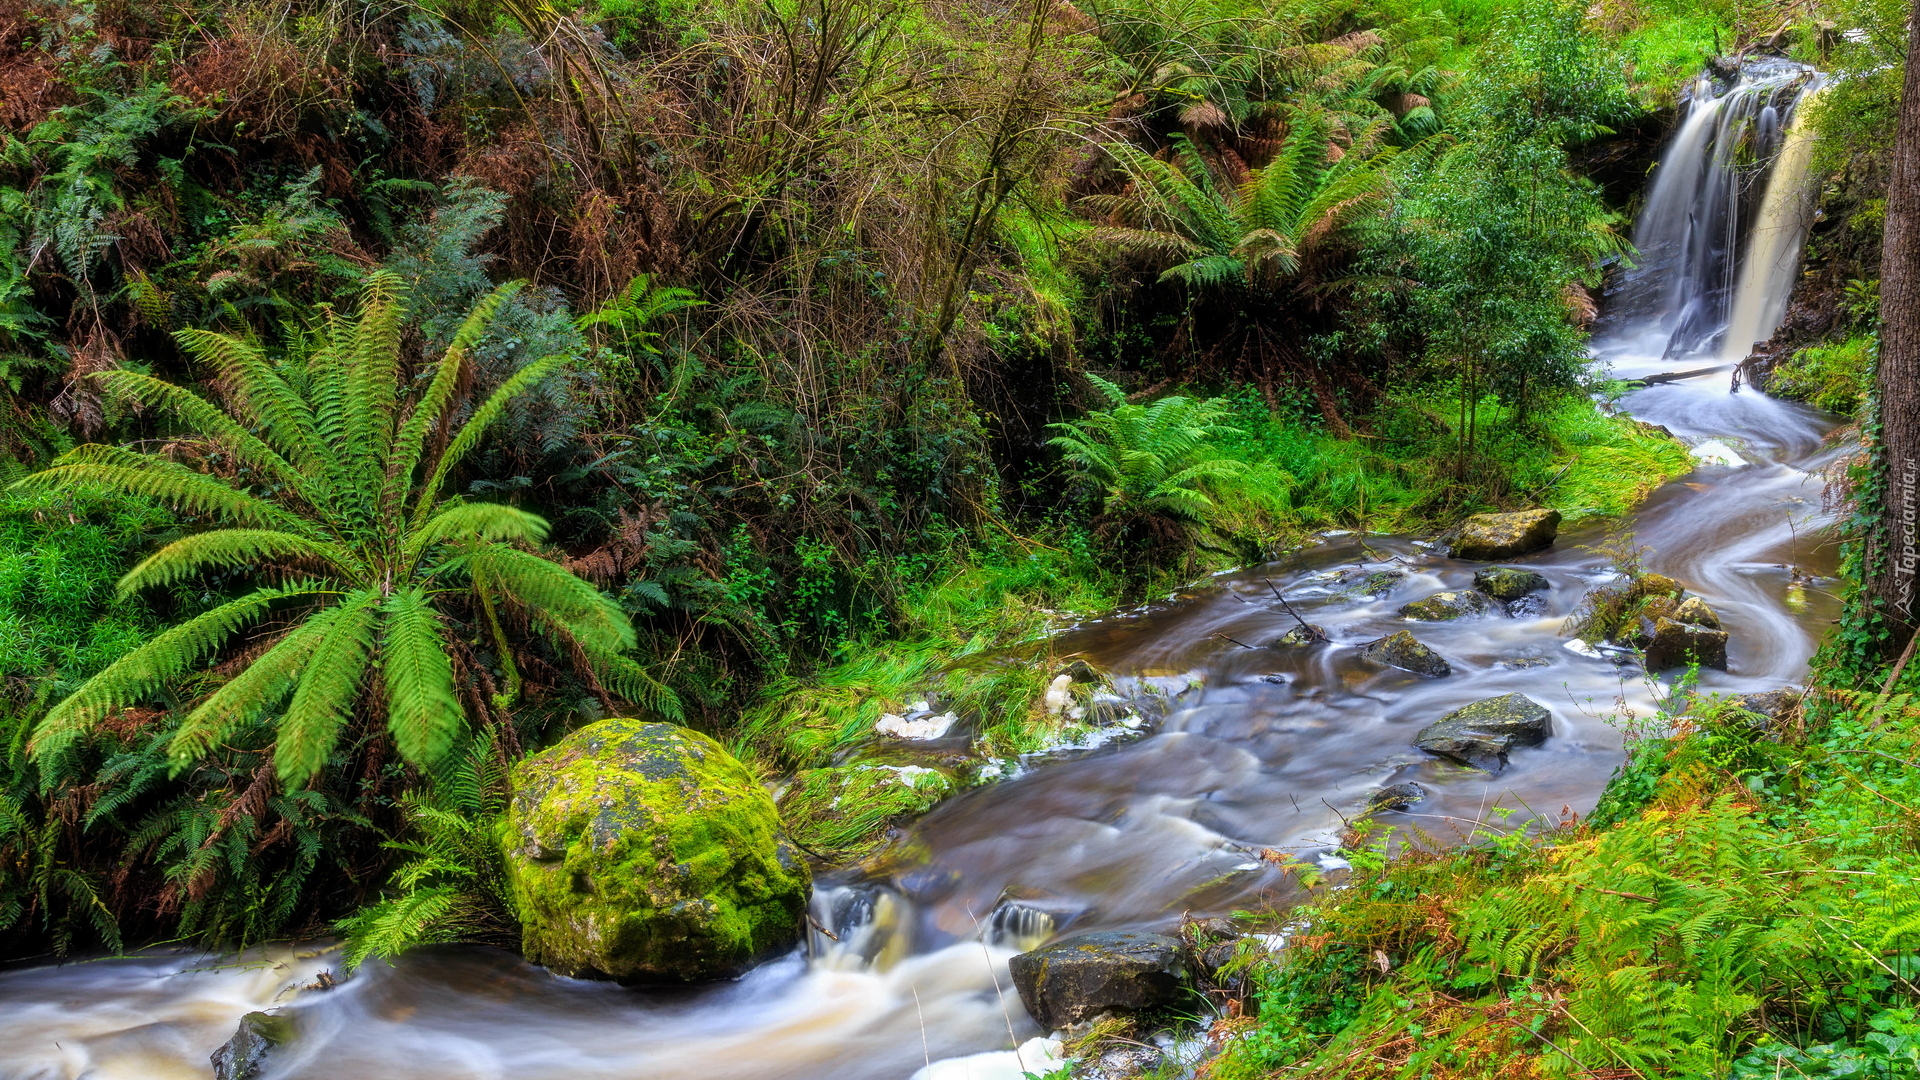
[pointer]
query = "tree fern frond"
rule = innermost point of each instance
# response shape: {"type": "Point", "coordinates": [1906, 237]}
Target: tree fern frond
{"type": "Point", "coordinates": [204, 418]}
{"type": "Point", "coordinates": [423, 712]}
{"type": "Point", "coordinates": [228, 548]}
{"type": "Point", "coordinates": [555, 594]}
{"type": "Point", "coordinates": [483, 417]}
{"type": "Point", "coordinates": [146, 670]}
{"type": "Point", "coordinates": [477, 521]}
{"type": "Point", "coordinates": [175, 485]}
{"type": "Point", "coordinates": [260, 686]}
{"type": "Point", "coordinates": [407, 445]}
{"type": "Point", "coordinates": [328, 688]}
{"type": "Point", "coordinates": [262, 394]}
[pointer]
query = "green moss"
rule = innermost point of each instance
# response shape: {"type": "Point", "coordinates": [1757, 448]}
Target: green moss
{"type": "Point", "coordinates": [645, 852]}
{"type": "Point", "coordinates": [843, 813]}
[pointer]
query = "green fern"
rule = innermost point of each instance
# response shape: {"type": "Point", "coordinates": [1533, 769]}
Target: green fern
{"type": "Point", "coordinates": [1149, 459]}
{"type": "Point", "coordinates": [341, 502]}
{"type": "Point", "coordinates": [1311, 200]}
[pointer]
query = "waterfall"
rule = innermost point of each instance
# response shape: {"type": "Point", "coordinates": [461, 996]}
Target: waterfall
{"type": "Point", "coordinates": [1724, 221]}
{"type": "Point", "coordinates": [1773, 249]}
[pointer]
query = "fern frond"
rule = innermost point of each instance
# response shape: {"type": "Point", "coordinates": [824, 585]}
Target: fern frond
{"type": "Point", "coordinates": [262, 685]}
{"type": "Point", "coordinates": [145, 671]}
{"type": "Point", "coordinates": [227, 548]}
{"type": "Point", "coordinates": [269, 402]}
{"type": "Point", "coordinates": [477, 521]}
{"type": "Point", "coordinates": [423, 712]}
{"type": "Point", "coordinates": [555, 595]}
{"type": "Point", "coordinates": [407, 445]}
{"type": "Point", "coordinates": [327, 691]}
{"type": "Point", "coordinates": [175, 485]}
{"type": "Point", "coordinates": [204, 418]}
{"type": "Point", "coordinates": [483, 417]}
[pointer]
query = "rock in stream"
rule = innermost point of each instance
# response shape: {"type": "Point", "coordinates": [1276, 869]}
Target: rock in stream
{"type": "Point", "coordinates": [1482, 733]}
{"type": "Point", "coordinates": [1075, 980]}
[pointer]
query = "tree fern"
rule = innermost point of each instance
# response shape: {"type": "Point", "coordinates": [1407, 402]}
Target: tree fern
{"type": "Point", "coordinates": [1200, 229]}
{"type": "Point", "coordinates": [342, 491]}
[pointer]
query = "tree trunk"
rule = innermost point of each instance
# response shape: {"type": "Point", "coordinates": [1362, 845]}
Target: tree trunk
{"type": "Point", "coordinates": [1892, 557]}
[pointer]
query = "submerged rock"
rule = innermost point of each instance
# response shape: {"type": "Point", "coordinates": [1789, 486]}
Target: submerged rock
{"type": "Point", "coordinates": [244, 1057]}
{"type": "Point", "coordinates": [1401, 650]}
{"type": "Point", "coordinates": [1078, 979]}
{"type": "Point", "coordinates": [1674, 643]}
{"type": "Point", "coordinates": [1482, 733]}
{"type": "Point", "coordinates": [1378, 583]}
{"type": "Point", "coordinates": [1503, 536]}
{"type": "Point", "coordinates": [1504, 583]}
{"type": "Point", "coordinates": [1397, 797]}
{"type": "Point", "coordinates": [644, 852]}
{"type": "Point", "coordinates": [1442, 607]}
{"type": "Point", "coordinates": [1299, 635]}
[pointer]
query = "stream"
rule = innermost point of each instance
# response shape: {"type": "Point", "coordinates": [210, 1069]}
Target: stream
{"type": "Point", "coordinates": [1260, 749]}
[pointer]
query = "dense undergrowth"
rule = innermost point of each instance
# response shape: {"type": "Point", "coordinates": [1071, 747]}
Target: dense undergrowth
{"type": "Point", "coordinates": [810, 287]}
{"type": "Point", "coordinates": [1742, 903]}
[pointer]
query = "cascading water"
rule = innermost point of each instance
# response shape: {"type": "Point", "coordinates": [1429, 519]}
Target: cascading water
{"type": "Point", "coordinates": [1261, 749]}
{"type": "Point", "coordinates": [1724, 220]}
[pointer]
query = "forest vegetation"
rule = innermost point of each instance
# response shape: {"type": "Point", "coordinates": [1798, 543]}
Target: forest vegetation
{"type": "Point", "coordinates": [392, 388]}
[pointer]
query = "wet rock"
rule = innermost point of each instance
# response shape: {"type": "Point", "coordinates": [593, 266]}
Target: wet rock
{"type": "Point", "coordinates": [1504, 536]}
{"type": "Point", "coordinates": [1378, 583]}
{"type": "Point", "coordinates": [1675, 644]}
{"type": "Point", "coordinates": [1527, 607]}
{"type": "Point", "coordinates": [1082, 977]}
{"type": "Point", "coordinates": [1517, 663]}
{"type": "Point", "coordinates": [1482, 733]}
{"type": "Point", "coordinates": [1398, 797]}
{"type": "Point", "coordinates": [1082, 672]}
{"type": "Point", "coordinates": [1300, 635]}
{"type": "Point", "coordinates": [1772, 704]}
{"type": "Point", "coordinates": [644, 852]}
{"type": "Point", "coordinates": [1504, 583]}
{"type": "Point", "coordinates": [1401, 650]}
{"type": "Point", "coordinates": [1446, 606]}
{"type": "Point", "coordinates": [244, 1057]}
{"type": "Point", "coordinates": [1695, 610]}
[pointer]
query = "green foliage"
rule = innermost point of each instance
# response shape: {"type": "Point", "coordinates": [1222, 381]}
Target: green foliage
{"type": "Point", "coordinates": [1834, 377]}
{"type": "Point", "coordinates": [370, 549]}
{"type": "Point", "coordinates": [450, 884]}
{"type": "Point", "coordinates": [1148, 460]}
{"type": "Point", "coordinates": [1210, 232]}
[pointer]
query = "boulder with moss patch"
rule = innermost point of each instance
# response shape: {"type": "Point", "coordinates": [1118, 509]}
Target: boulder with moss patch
{"type": "Point", "coordinates": [1505, 536]}
{"type": "Point", "coordinates": [644, 852]}
{"type": "Point", "coordinates": [1401, 650]}
{"type": "Point", "coordinates": [1446, 606]}
{"type": "Point", "coordinates": [1482, 733]}
{"type": "Point", "coordinates": [1506, 583]}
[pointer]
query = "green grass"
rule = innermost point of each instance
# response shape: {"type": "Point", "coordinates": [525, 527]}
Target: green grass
{"type": "Point", "coordinates": [976, 643]}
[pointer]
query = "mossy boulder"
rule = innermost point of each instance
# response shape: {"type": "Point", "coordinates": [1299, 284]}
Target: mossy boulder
{"type": "Point", "coordinates": [644, 852]}
{"type": "Point", "coordinates": [1480, 734]}
{"type": "Point", "coordinates": [1675, 644]}
{"type": "Point", "coordinates": [244, 1057]}
{"type": "Point", "coordinates": [1505, 536]}
{"type": "Point", "coordinates": [1446, 606]}
{"type": "Point", "coordinates": [1401, 650]}
{"type": "Point", "coordinates": [1506, 583]}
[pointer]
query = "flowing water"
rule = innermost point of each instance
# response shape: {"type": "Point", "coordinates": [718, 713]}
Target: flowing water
{"type": "Point", "coordinates": [1260, 749]}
